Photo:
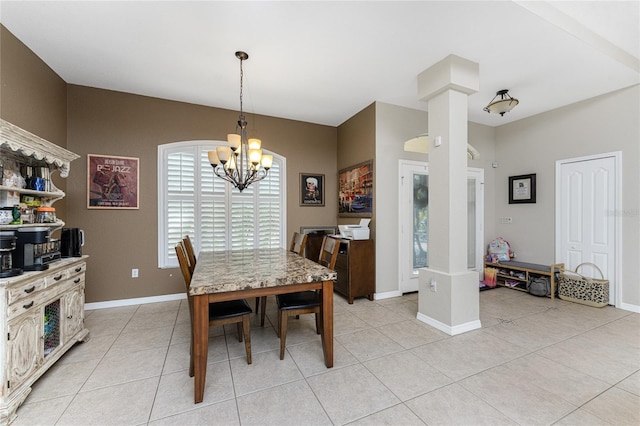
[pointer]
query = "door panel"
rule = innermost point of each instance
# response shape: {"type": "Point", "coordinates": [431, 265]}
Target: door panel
{"type": "Point", "coordinates": [587, 227]}
{"type": "Point", "coordinates": [414, 198]}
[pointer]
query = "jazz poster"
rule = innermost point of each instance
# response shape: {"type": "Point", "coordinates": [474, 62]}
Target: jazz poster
{"type": "Point", "coordinates": [112, 182]}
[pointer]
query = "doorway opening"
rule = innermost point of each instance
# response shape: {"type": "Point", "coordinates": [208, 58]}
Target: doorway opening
{"type": "Point", "coordinates": [414, 217]}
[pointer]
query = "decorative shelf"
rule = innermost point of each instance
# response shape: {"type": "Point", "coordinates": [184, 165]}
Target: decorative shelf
{"type": "Point", "coordinates": [54, 226]}
{"type": "Point", "coordinates": [57, 194]}
{"type": "Point", "coordinates": [27, 144]}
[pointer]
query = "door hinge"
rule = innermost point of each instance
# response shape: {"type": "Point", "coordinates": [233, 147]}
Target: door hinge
{"type": "Point", "coordinates": [8, 336]}
{"type": "Point", "coordinates": [8, 384]}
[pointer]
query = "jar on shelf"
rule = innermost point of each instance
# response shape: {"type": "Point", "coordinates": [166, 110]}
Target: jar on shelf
{"type": "Point", "coordinates": [6, 215]}
{"type": "Point", "coordinates": [46, 215]}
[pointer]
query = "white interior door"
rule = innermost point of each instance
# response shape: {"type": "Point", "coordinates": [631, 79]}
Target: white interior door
{"type": "Point", "coordinates": [414, 214]}
{"type": "Point", "coordinates": [414, 209]}
{"type": "Point", "coordinates": [586, 227]}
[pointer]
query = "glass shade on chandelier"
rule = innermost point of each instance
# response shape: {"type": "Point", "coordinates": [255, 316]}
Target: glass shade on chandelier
{"type": "Point", "coordinates": [241, 163]}
{"type": "Point", "coordinates": [505, 104]}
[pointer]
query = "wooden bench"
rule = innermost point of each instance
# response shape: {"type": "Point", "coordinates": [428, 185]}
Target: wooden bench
{"type": "Point", "coordinates": [520, 273]}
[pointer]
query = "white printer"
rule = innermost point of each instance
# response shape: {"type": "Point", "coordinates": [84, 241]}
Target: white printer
{"type": "Point", "coordinates": [355, 232]}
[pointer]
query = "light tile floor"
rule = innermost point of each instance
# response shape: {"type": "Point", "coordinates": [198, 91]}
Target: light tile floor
{"type": "Point", "coordinates": [534, 362]}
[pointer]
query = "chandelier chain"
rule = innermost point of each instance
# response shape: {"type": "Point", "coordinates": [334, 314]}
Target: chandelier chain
{"type": "Point", "coordinates": [241, 163]}
{"type": "Point", "coordinates": [241, 86]}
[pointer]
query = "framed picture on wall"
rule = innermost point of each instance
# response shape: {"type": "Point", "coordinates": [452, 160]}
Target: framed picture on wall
{"type": "Point", "coordinates": [112, 182]}
{"type": "Point", "coordinates": [311, 189]}
{"type": "Point", "coordinates": [522, 189]}
{"type": "Point", "coordinates": [355, 190]}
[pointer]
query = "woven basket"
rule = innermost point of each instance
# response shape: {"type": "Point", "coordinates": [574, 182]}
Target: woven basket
{"type": "Point", "coordinates": [574, 287]}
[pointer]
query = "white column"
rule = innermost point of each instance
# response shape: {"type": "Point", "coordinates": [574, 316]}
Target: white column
{"type": "Point", "coordinates": [448, 291]}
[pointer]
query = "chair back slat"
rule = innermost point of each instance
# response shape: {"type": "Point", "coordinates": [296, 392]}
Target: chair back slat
{"type": "Point", "coordinates": [329, 252]}
{"type": "Point", "coordinates": [184, 265]}
{"type": "Point", "coordinates": [298, 243]}
{"type": "Point", "coordinates": [191, 256]}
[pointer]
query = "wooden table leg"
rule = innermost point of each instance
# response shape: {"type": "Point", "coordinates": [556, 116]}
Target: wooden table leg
{"type": "Point", "coordinates": [200, 343]}
{"type": "Point", "coordinates": [326, 310]}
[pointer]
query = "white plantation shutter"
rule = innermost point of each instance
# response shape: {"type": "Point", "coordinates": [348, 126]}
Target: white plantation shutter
{"type": "Point", "coordinates": [243, 218]}
{"type": "Point", "coordinates": [191, 201]}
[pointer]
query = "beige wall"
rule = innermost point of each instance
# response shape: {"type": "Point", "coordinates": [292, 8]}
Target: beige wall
{"type": "Point", "coordinates": [33, 97]}
{"type": "Point", "coordinates": [107, 122]}
{"type": "Point", "coordinates": [356, 144]}
{"type": "Point", "coordinates": [604, 124]}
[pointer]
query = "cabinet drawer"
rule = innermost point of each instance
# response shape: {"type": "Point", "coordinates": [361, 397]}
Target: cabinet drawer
{"type": "Point", "coordinates": [79, 268]}
{"type": "Point", "coordinates": [25, 305]}
{"type": "Point", "coordinates": [62, 275]}
{"type": "Point", "coordinates": [24, 291]}
{"type": "Point", "coordinates": [56, 277]}
{"type": "Point", "coordinates": [76, 280]}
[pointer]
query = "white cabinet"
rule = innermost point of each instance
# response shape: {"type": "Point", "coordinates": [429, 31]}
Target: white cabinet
{"type": "Point", "coordinates": [73, 308]}
{"type": "Point", "coordinates": [23, 347]}
{"type": "Point", "coordinates": [42, 319]}
{"type": "Point", "coordinates": [42, 311]}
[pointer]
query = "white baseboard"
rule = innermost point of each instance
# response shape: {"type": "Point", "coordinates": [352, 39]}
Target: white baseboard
{"type": "Point", "coordinates": [387, 295]}
{"type": "Point", "coordinates": [630, 307]}
{"type": "Point", "coordinates": [451, 331]}
{"type": "Point", "coordinates": [136, 301]}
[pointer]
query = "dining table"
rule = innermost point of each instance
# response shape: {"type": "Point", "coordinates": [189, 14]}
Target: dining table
{"type": "Point", "coordinates": [241, 274]}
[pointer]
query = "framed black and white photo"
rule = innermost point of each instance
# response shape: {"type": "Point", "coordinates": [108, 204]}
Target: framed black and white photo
{"type": "Point", "coordinates": [522, 189]}
{"type": "Point", "coordinates": [311, 190]}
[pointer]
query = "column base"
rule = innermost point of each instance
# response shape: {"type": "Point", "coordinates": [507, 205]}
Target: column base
{"type": "Point", "coordinates": [452, 305]}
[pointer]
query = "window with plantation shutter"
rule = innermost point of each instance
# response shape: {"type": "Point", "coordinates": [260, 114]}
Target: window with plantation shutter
{"type": "Point", "coordinates": [216, 216]}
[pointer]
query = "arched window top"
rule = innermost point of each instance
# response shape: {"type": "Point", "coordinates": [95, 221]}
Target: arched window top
{"type": "Point", "coordinates": [192, 201]}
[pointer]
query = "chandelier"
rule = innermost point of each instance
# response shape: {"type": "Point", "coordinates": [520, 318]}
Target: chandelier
{"type": "Point", "coordinates": [241, 163]}
{"type": "Point", "coordinates": [505, 104]}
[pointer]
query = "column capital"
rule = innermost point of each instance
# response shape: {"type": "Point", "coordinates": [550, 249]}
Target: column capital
{"type": "Point", "coordinates": [451, 73]}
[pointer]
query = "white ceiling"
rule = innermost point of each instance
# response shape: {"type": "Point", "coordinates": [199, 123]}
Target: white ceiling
{"type": "Point", "coordinates": [322, 62]}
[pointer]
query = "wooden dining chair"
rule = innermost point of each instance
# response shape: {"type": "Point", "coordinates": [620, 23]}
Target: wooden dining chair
{"type": "Point", "coordinates": [305, 302]}
{"type": "Point", "coordinates": [191, 255]}
{"type": "Point", "coordinates": [220, 313]}
{"type": "Point", "coordinates": [298, 243]}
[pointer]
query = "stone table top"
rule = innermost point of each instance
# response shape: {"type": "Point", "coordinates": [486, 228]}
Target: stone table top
{"type": "Point", "coordinates": [234, 270]}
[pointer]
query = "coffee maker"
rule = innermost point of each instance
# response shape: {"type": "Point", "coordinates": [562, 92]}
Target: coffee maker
{"type": "Point", "coordinates": [35, 249]}
{"type": "Point", "coordinates": [7, 246]}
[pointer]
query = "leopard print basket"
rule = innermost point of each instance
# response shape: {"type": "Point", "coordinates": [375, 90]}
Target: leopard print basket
{"type": "Point", "coordinates": [580, 289]}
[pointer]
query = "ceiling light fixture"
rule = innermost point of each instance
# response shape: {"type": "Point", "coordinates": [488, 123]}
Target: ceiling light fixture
{"type": "Point", "coordinates": [505, 104]}
{"type": "Point", "coordinates": [241, 163]}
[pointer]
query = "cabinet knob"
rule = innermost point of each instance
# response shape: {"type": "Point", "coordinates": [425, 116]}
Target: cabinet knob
{"type": "Point", "coordinates": [76, 281]}
{"type": "Point", "coordinates": [28, 305]}
{"type": "Point", "coordinates": [57, 278]}
{"type": "Point", "coordinates": [30, 289]}
{"type": "Point", "coordinates": [78, 269]}
{"type": "Point", "coordinates": [70, 316]}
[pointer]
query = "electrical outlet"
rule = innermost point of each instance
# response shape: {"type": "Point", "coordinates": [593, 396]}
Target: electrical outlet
{"type": "Point", "coordinates": [433, 285]}
{"type": "Point", "coordinates": [134, 273]}
{"type": "Point", "coordinates": [506, 220]}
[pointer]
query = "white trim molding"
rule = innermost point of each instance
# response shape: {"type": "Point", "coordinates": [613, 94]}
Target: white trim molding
{"type": "Point", "coordinates": [450, 330]}
{"type": "Point", "coordinates": [135, 301]}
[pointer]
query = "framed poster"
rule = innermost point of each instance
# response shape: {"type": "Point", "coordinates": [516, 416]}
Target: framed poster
{"type": "Point", "coordinates": [112, 182]}
{"type": "Point", "coordinates": [311, 190]}
{"type": "Point", "coordinates": [522, 189]}
{"type": "Point", "coordinates": [355, 190]}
